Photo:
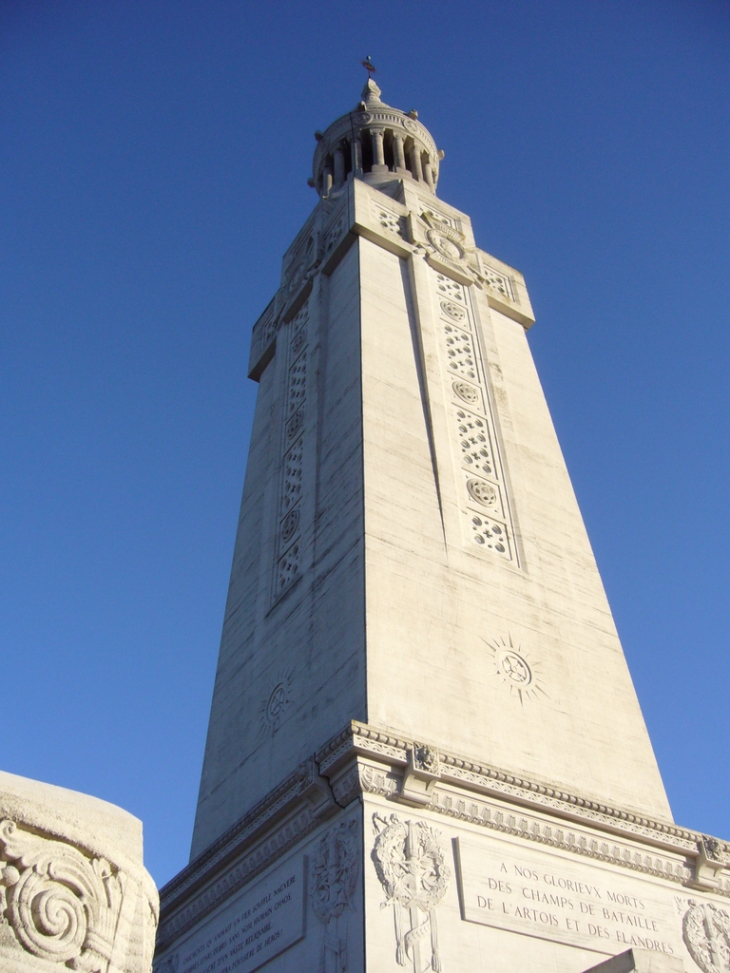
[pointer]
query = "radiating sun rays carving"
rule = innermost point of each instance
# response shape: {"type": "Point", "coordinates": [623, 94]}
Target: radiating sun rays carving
{"type": "Point", "coordinates": [515, 668]}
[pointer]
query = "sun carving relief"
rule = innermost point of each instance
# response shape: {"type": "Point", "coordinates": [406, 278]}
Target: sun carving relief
{"type": "Point", "coordinates": [275, 704]}
{"type": "Point", "coordinates": [513, 668]}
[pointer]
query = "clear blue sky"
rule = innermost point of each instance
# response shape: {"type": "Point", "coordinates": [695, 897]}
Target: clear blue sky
{"type": "Point", "coordinates": [154, 161]}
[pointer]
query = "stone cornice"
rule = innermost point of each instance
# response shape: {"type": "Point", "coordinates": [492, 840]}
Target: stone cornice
{"type": "Point", "coordinates": [468, 777]}
{"type": "Point", "coordinates": [366, 760]}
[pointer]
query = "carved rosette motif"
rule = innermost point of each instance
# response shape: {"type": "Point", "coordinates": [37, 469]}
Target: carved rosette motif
{"type": "Point", "coordinates": [409, 862]}
{"type": "Point", "coordinates": [61, 905]}
{"type": "Point", "coordinates": [332, 885]}
{"type": "Point", "coordinates": [706, 933]}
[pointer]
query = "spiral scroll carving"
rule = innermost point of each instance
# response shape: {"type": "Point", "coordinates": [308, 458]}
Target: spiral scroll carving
{"type": "Point", "coordinates": [61, 905]}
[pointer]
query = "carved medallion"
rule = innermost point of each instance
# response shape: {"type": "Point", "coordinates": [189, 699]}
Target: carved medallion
{"type": "Point", "coordinates": [289, 525]}
{"type": "Point", "coordinates": [426, 758]}
{"type": "Point", "coordinates": [453, 311]}
{"type": "Point", "coordinates": [706, 932]}
{"type": "Point", "coordinates": [467, 393]}
{"type": "Point", "coordinates": [297, 342]}
{"type": "Point", "coordinates": [409, 862]}
{"type": "Point", "coordinates": [332, 884]}
{"type": "Point", "coordinates": [514, 670]}
{"type": "Point", "coordinates": [411, 125]}
{"type": "Point", "coordinates": [275, 704]}
{"type": "Point", "coordinates": [482, 492]}
{"type": "Point", "coordinates": [448, 248]}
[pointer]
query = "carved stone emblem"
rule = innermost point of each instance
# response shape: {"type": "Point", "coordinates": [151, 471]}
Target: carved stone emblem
{"type": "Point", "coordinates": [467, 393]}
{"type": "Point", "coordinates": [409, 862]}
{"type": "Point", "coordinates": [332, 884]}
{"type": "Point", "coordinates": [295, 424]}
{"type": "Point", "coordinates": [62, 906]}
{"type": "Point", "coordinates": [289, 525]}
{"type": "Point", "coordinates": [297, 342]}
{"type": "Point", "coordinates": [426, 758]}
{"type": "Point", "coordinates": [453, 311]}
{"type": "Point", "coordinates": [514, 670]}
{"type": "Point", "coordinates": [482, 492]}
{"type": "Point", "coordinates": [444, 244]}
{"type": "Point", "coordinates": [273, 707]}
{"type": "Point", "coordinates": [711, 847]}
{"type": "Point", "coordinates": [706, 932]}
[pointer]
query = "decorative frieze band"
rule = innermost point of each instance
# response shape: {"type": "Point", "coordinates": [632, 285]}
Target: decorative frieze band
{"type": "Point", "coordinates": [390, 769]}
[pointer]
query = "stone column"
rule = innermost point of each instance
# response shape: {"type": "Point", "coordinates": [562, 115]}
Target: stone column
{"type": "Point", "coordinates": [415, 155]}
{"type": "Point", "coordinates": [339, 166]}
{"type": "Point", "coordinates": [428, 174]}
{"type": "Point", "coordinates": [399, 153]}
{"type": "Point", "coordinates": [376, 134]}
{"type": "Point", "coordinates": [357, 157]}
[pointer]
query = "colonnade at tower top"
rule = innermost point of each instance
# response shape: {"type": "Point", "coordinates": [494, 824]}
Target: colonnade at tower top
{"type": "Point", "coordinates": [375, 142]}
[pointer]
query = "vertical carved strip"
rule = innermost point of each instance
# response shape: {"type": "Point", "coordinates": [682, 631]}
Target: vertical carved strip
{"type": "Point", "coordinates": [288, 540]}
{"type": "Point", "coordinates": [481, 484]}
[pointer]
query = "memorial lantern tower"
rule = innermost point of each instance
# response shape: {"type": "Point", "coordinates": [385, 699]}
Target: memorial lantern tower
{"type": "Point", "coordinates": [425, 751]}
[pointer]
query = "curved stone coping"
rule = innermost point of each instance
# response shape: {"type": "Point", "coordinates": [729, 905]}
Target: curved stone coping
{"type": "Point", "coordinates": [73, 887]}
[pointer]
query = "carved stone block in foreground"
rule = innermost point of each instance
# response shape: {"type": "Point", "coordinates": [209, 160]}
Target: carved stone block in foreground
{"type": "Point", "coordinates": [73, 891]}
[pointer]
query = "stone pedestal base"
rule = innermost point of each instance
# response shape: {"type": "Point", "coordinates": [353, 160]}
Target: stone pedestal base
{"type": "Point", "coordinates": [386, 854]}
{"type": "Point", "coordinates": [73, 891]}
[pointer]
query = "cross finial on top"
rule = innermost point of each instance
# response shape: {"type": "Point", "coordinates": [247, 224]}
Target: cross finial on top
{"type": "Point", "coordinates": [369, 66]}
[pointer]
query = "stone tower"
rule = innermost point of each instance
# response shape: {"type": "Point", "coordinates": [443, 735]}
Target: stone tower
{"type": "Point", "coordinates": [425, 751]}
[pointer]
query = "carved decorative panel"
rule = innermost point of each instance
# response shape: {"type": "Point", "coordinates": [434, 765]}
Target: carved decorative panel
{"type": "Point", "coordinates": [288, 562]}
{"type": "Point", "coordinates": [61, 905]}
{"type": "Point", "coordinates": [410, 863]}
{"type": "Point", "coordinates": [332, 890]}
{"type": "Point", "coordinates": [387, 219]}
{"type": "Point", "coordinates": [481, 490]}
{"type": "Point", "coordinates": [498, 282]}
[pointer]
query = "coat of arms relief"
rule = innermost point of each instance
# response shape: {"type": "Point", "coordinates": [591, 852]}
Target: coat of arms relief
{"type": "Point", "coordinates": [409, 861]}
{"type": "Point", "coordinates": [706, 933]}
{"type": "Point", "coordinates": [332, 887]}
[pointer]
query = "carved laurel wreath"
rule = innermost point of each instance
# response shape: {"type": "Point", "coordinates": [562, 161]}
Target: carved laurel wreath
{"type": "Point", "coordinates": [409, 861]}
{"type": "Point", "coordinates": [59, 903]}
{"type": "Point", "coordinates": [706, 931]}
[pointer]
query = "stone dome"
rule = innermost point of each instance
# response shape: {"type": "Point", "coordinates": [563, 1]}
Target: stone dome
{"type": "Point", "coordinates": [376, 143]}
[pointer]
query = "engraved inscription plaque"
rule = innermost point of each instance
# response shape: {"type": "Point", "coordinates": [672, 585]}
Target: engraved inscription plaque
{"type": "Point", "coordinates": [252, 928]}
{"type": "Point", "coordinates": [551, 897]}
